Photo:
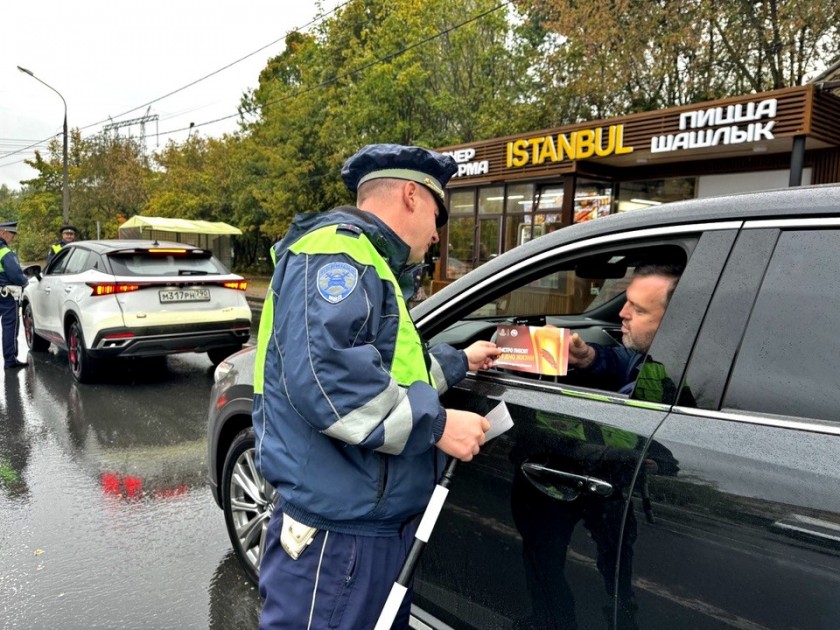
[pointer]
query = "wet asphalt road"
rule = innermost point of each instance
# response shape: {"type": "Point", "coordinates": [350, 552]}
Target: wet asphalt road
{"type": "Point", "coordinates": [106, 519]}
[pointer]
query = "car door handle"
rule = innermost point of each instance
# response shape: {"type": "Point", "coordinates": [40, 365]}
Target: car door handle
{"type": "Point", "coordinates": [68, 289]}
{"type": "Point", "coordinates": [543, 476]}
{"type": "Point", "coordinates": [47, 290]}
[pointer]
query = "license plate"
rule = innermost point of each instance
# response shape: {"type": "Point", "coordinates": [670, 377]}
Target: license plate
{"type": "Point", "coordinates": [184, 295]}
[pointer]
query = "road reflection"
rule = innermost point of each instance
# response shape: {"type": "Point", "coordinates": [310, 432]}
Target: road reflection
{"type": "Point", "coordinates": [105, 515]}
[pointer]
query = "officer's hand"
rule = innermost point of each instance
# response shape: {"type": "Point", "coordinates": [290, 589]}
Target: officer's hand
{"type": "Point", "coordinates": [463, 434]}
{"type": "Point", "coordinates": [580, 354]}
{"type": "Point", "coordinates": [480, 355]}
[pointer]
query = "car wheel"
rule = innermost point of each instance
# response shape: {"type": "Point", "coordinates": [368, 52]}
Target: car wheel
{"type": "Point", "coordinates": [81, 364]}
{"type": "Point", "coordinates": [248, 501]}
{"type": "Point", "coordinates": [35, 342]}
{"type": "Point", "coordinates": [217, 355]}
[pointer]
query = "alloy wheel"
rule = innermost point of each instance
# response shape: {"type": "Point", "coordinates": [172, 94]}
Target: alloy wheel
{"type": "Point", "coordinates": [252, 502]}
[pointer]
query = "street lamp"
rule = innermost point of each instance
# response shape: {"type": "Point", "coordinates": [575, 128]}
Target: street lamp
{"type": "Point", "coordinates": [65, 190]}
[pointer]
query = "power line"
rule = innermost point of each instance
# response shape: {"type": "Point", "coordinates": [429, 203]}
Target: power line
{"type": "Point", "coordinates": [349, 73]}
{"type": "Point", "coordinates": [387, 57]}
{"type": "Point", "coordinates": [305, 26]}
{"type": "Point", "coordinates": [223, 68]}
{"type": "Point", "coordinates": [34, 144]}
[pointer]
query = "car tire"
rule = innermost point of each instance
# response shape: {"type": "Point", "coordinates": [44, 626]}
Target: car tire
{"type": "Point", "coordinates": [82, 365]}
{"type": "Point", "coordinates": [35, 342]}
{"type": "Point", "coordinates": [248, 501]}
{"type": "Point", "coordinates": [217, 355]}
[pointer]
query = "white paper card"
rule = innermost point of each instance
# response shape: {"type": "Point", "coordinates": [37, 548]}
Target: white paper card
{"type": "Point", "coordinates": [500, 421]}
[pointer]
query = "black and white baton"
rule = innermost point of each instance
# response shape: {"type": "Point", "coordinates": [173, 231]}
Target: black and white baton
{"type": "Point", "coordinates": [424, 531]}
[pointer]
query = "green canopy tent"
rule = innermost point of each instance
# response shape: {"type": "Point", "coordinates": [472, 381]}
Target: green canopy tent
{"type": "Point", "coordinates": [212, 235]}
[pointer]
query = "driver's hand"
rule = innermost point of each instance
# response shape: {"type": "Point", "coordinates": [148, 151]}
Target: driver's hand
{"type": "Point", "coordinates": [581, 355]}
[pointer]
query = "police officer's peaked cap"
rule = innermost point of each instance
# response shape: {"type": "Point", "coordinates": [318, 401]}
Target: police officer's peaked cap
{"type": "Point", "coordinates": [69, 228]}
{"type": "Point", "coordinates": [396, 161]}
{"type": "Point", "coordinates": [9, 227]}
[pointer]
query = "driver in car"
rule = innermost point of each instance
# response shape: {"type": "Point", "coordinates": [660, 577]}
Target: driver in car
{"type": "Point", "coordinates": [617, 367]}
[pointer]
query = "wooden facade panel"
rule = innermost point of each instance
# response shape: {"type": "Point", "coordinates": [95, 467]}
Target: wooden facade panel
{"type": "Point", "coordinates": [792, 118]}
{"type": "Point", "coordinates": [825, 117]}
{"type": "Point", "coordinates": [826, 167]}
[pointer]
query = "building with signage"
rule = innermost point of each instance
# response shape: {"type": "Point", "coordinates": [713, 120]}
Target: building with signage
{"type": "Point", "coordinates": [512, 189]}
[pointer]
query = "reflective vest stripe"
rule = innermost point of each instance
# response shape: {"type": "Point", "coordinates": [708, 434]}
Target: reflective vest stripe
{"type": "Point", "coordinates": [409, 364]}
{"type": "Point", "coordinates": [3, 252]}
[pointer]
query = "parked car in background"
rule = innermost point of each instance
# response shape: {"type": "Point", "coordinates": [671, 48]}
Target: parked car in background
{"type": "Point", "coordinates": [711, 500]}
{"type": "Point", "coordinates": [123, 298]}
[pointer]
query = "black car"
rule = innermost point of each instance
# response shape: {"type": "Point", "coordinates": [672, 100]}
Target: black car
{"type": "Point", "coordinates": [712, 501]}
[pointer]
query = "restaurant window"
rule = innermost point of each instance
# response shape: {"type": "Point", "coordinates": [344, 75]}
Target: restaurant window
{"type": "Point", "coordinates": [519, 206]}
{"type": "Point", "coordinates": [461, 241]}
{"type": "Point", "coordinates": [548, 213]}
{"type": "Point", "coordinates": [593, 199]}
{"type": "Point", "coordinates": [654, 192]}
{"type": "Point", "coordinates": [490, 205]}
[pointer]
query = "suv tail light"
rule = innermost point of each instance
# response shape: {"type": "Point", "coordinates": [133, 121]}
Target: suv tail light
{"type": "Point", "coordinates": [111, 288]}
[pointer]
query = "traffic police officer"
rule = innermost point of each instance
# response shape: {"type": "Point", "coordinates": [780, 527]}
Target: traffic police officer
{"type": "Point", "coordinates": [349, 426]}
{"type": "Point", "coordinates": [12, 280]}
{"type": "Point", "coordinates": [68, 235]}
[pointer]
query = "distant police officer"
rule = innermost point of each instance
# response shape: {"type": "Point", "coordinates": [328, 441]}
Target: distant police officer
{"type": "Point", "coordinates": [350, 429]}
{"type": "Point", "coordinates": [68, 235]}
{"type": "Point", "coordinates": [11, 282]}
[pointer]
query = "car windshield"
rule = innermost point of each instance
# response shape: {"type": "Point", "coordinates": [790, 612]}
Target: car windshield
{"type": "Point", "coordinates": [153, 264]}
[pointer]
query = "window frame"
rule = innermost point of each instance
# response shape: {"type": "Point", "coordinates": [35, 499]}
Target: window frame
{"type": "Point", "coordinates": [524, 271]}
{"type": "Point", "coordinates": [773, 259]}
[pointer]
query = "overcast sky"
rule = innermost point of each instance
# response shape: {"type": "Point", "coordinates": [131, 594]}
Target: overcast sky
{"type": "Point", "coordinates": [106, 58]}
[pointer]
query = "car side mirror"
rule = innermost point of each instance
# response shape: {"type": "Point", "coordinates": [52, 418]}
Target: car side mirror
{"type": "Point", "coordinates": [33, 271]}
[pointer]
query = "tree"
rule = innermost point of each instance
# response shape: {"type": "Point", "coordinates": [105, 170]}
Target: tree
{"type": "Point", "coordinates": [612, 57]}
{"type": "Point", "coordinates": [9, 202]}
{"type": "Point", "coordinates": [107, 178]}
{"type": "Point", "coordinates": [37, 218]}
{"type": "Point", "coordinates": [430, 73]}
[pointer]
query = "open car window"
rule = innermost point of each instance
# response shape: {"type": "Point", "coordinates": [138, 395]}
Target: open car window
{"type": "Point", "coordinates": [581, 294]}
{"type": "Point", "coordinates": [561, 292]}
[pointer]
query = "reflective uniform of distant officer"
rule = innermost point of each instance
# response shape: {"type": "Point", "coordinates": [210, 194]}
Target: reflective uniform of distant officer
{"type": "Point", "coordinates": [11, 277]}
{"type": "Point", "coordinates": [68, 235]}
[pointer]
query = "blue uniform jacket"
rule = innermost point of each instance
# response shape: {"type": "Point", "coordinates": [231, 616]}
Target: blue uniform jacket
{"type": "Point", "coordinates": [346, 447]}
{"type": "Point", "coordinates": [12, 273]}
{"type": "Point", "coordinates": [617, 366]}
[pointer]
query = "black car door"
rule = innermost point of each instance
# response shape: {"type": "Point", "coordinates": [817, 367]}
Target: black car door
{"type": "Point", "coordinates": [536, 532]}
{"type": "Point", "coordinates": [747, 533]}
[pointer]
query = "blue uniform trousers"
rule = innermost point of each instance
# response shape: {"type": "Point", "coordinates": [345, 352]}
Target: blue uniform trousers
{"type": "Point", "coordinates": [339, 581]}
{"type": "Point", "coordinates": [9, 320]}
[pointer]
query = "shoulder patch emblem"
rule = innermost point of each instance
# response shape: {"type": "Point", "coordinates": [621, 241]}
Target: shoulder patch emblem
{"type": "Point", "coordinates": [336, 281]}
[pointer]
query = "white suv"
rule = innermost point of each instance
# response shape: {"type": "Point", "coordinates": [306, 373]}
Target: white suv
{"type": "Point", "coordinates": [121, 298]}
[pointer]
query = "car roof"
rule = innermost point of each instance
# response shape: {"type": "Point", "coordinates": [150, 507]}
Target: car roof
{"type": "Point", "coordinates": [104, 246]}
{"type": "Point", "coordinates": [796, 202]}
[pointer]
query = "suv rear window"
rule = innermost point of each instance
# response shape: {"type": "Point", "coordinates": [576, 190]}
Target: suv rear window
{"type": "Point", "coordinates": [151, 264]}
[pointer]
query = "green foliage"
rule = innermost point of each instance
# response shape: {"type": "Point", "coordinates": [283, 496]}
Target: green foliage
{"type": "Point", "coordinates": [37, 229]}
{"type": "Point", "coordinates": [107, 176]}
{"type": "Point", "coordinates": [9, 203]}
{"type": "Point", "coordinates": [427, 72]}
{"type": "Point", "coordinates": [378, 71]}
{"type": "Point", "coordinates": [613, 57]}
